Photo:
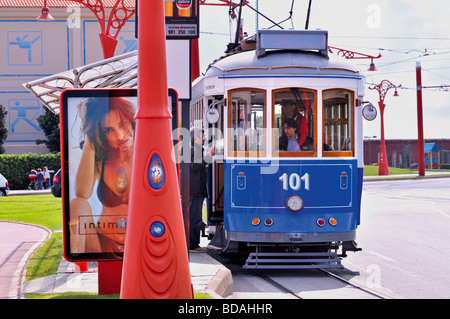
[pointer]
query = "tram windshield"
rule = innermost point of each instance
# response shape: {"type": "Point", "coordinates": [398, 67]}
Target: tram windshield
{"type": "Point", "coordinates": [294, 122]}
{"type": "Point", "coordinates": [247, 120]}
{"type": "Point", "coordinates": [337, 123]}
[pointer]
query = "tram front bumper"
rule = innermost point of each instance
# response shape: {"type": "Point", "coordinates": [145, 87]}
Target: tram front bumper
{"type": "Point", "coordinates": [292, 238]}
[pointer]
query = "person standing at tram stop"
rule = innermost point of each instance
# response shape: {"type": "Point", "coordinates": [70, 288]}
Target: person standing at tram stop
{"type": "Point", "coordinates": [290, 111]}
{"type": "Point", "coordinates": [47, 177]}
{"type": "Point", "coordinates": [197, 187]}
{"type": "Point", "coordinates": [107, 139]}
{"type": "Point", "coordinates": [40, 179]}
{"type": "Point", "coordinates": [289, 140]}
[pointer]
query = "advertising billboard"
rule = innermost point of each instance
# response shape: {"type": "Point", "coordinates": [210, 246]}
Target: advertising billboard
{"type": "Point", "coordinates": [182, 19]}
{"type": "Point", "coordinates": [97, 134]}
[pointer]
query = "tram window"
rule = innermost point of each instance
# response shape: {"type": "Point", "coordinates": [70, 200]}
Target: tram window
{"type": "Point", "coordinates": [337, 123]}
{"type": "Point", "coordinates": [294, 122]}
{"type": "Point", "coordinates": [247, 120]}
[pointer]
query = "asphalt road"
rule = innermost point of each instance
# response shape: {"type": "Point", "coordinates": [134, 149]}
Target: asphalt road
{"type": "Point", "coordinates": [404, 233]}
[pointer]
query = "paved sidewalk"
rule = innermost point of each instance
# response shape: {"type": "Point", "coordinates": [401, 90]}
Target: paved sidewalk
{"type": "Point", "coordinates": [428, 174]}
{"type": "Point", "coordinates": [207, 276]}
{"type": "Point", "coordinates": [29, 192]}
{"type": "Point", "coordinates": [17, 244]}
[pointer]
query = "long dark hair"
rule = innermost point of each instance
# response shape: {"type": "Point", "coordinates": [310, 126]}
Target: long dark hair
{"type": "Point", "coordinates": [96, 111]}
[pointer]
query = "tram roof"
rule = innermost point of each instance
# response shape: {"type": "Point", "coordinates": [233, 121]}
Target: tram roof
{"type": "Point", "coordinates": [280, 62]}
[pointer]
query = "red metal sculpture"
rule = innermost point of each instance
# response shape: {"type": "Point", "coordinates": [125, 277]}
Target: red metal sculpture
{"type": "Point", "coordinates": [110, 28]}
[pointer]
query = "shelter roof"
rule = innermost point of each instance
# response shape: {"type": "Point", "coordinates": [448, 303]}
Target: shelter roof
{"type": "Point", "coordinates": [115, 72]}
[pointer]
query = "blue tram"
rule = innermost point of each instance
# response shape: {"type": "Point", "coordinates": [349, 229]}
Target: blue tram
{"type": "Point", "coordinates": [285, 120]}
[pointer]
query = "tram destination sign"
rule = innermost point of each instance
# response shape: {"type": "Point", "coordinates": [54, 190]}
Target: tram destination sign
{"type": "Point", "coordinates": [292, 40]}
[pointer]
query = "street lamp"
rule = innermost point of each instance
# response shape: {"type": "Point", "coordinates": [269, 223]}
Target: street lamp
{"type": "Point", "coordinates": [382, 89]}
{"type": "Point", "coordinates": [45, 13]}
{"type": "Point", "coordinates": [355, 55]}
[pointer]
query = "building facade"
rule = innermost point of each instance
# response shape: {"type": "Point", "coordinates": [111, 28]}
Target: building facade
{"type": "Point", "coordinates": [31, 49]}
{"type": "Point", "coordinates": [402, 153]}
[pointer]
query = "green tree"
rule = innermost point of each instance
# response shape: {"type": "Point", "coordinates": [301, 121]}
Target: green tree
{"type": "Point", "coordinates": [3, 129]}
{"type": "Point", "coordinates": [49, 123]}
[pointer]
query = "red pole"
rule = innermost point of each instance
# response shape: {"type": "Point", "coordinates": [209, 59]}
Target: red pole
{"type": "Point", "coordinates": [156, 263]}
{"type": "Point", "coordinates": [383, 169]}
{"type": "Point", "coordinates": [195, 59]}
{"type": "Point", "coordinates": [420, 142]}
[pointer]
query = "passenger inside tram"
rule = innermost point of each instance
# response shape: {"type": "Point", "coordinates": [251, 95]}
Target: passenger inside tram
{"type": "Point", "coordinates": [298, 106]}
{"type": "Point", "coordinates": [289, 141]}
{"type": "Point", "coordinates": [290, 111]}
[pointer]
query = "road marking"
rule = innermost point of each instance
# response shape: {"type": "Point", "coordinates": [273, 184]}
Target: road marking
{"type": "Point", "coordinates": [382, 256]}
{"type": "Point", "coordinates": [439, 210]}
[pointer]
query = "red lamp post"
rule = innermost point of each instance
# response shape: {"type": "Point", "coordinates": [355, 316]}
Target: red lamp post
{"type": "Point", "coordinates": [156, 262]}
{"type": "Point", "coordinates": [420, 141]}
{"type": "Point", "coordinates": [382, 89]}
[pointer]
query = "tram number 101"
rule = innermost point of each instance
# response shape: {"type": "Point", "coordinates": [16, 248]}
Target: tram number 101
{"type": "Point", "coordinates": [294, 181]}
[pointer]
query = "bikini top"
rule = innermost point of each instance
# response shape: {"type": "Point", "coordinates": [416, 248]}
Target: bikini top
{"type": "Point", "coordinates": [107, 196]}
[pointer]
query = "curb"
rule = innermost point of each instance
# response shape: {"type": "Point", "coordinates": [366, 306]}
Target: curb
{"type": "Point", "coordinates": [402, 177]}
{"type": "Point", "coordinates": [222, 282]}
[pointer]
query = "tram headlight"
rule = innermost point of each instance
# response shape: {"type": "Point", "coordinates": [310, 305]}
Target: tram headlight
{"type": "Point", "coordinates": [294, 203]}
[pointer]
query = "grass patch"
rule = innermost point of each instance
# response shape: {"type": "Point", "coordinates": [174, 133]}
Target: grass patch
{"type": "Point", "coordinates": [45, 261]}
{"type": "Point", "coordinates": [77, 295]}
{"type": "Point", "coordinates": [43, 210]}
{"type": "Point", "coordinates": [46, 210]}
{"type": "Point", "coordinates": [70, 295]}
{"type": "Point", "coordinates": [373, 171]}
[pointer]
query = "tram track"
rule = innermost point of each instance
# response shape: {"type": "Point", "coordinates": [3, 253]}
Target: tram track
{"type": "Point", "coordinates": [274, 283]}
{"type": "Point", "coordinates": [359, 287]}
{"type": "Point", "coordinates": [282, 287]}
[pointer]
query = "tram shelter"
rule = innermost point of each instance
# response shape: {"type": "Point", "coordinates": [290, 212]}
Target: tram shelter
{"type": "Point", "coordinates": [432, 155]}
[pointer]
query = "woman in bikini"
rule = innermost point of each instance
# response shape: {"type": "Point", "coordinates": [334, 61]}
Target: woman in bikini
{"type": "Point", "coordinates": [108, 125]}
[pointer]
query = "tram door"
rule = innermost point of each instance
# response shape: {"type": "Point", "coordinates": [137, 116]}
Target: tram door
{"type": "Point", "coordinates": [214, 138]}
